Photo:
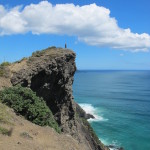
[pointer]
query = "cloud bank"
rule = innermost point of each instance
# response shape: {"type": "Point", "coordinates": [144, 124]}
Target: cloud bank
{"type": "Point", "coordinates": [92, 24]}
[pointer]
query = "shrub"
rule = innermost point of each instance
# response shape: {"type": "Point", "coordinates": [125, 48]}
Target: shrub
{"type": "Point", "coordinates": [3, 70]}
{"type": "Point", "coordinates": [4, 131]}
{"type": "Point", "coordinates": [25, 102]}
{"type": "Point", "coordinates": [4, 64]}
{"type": "Point", "coordinates": [37, 53]}
{"type": "Point", "coordinates": [26, 135]}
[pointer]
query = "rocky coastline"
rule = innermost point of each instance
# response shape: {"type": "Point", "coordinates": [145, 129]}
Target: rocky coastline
{"type": "Point", "coordinates": [50, 73]}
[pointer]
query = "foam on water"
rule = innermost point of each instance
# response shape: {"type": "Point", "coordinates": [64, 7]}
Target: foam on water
{"type": "Point", "coordinates": [115, 145]}
{"type": "Point", "coordinates": [89, 109]}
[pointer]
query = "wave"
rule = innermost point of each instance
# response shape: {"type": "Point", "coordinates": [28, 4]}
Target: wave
{"type": "Point", "coordinates": [89, 109]}
{"type": "Point", "coordinates": [114, 145]}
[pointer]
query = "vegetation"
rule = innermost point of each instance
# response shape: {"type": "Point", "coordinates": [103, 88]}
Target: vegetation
{"type": "Point", "coordinates": [4, 119]}
{"type": "Point", "coordinates": [26, 135]}
{"type": "Point", "coordinates": [4, 115]}
{"type": "Point", "coordinates": [37, 53]}
{"type": "Point", "coordinates": [40, 53]}
{"type": "Point", "coordinates": [4, 64]}
{"type": "Point", "coordinates": [4, 131]}
{"type": "Point", "coordinates": [19, 61]}
{"type": "Point", "coordinates": [3, 70]}
{"type": "Point", "coordinates": [50, 52]}
{"type": "Point", "coordinates": [25, 102]}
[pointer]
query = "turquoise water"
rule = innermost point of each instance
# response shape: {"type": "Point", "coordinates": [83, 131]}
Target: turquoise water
{"type": "Point", "coordinates": [120, 101]}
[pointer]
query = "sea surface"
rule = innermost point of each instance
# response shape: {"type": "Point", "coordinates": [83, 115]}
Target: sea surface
{"type": "Point", "coordinates": [120, 102]}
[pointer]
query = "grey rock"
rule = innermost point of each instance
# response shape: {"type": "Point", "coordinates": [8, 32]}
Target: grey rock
{"type": "Point", "coordinates": [89, 116]}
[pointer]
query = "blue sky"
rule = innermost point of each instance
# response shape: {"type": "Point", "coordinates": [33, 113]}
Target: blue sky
{"type": "Point", "coordinates": [110, 34]}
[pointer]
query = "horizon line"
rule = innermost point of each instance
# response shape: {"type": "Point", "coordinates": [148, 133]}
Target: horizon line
{"type": "Point", "coordinates": [113, 70]}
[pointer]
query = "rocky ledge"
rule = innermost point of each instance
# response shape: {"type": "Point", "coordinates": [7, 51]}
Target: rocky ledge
{"type": "Point", "coordinates": [50, 73]}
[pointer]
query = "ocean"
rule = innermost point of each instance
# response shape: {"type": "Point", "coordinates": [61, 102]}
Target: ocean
{"type": "Point", "coordinates": [120, 102]}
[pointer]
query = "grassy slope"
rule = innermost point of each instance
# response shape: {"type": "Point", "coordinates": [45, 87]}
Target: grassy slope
{"type": "Point", "coordinates": [26, 135]}
{"type": "Point", "coordinates": [5, 120]}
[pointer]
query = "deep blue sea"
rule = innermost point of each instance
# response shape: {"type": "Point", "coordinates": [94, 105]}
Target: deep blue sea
{"type": "Point", "coordinates": [120, 102]}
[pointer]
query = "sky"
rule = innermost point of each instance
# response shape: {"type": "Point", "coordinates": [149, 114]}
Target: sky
{"type": "Point", "coordinates": [104, 34]}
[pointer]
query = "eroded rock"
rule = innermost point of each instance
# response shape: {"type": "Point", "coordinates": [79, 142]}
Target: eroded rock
{"type": "Point", "coordinates": [50, 73]}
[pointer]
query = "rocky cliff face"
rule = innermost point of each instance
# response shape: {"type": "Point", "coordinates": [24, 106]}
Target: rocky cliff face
{"type": "Point", "coordinates": [50, 74]}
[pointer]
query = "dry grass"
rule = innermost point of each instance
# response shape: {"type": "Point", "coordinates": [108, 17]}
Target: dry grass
{"type": "Point", "coordinates": [50, 52]}
{"type": "Point", "coordinates": [28, 136]}
{"type": "Point", "coordinates": [5, 120]}
{"type": "Point", "coordinates": [4, 71]}
{"type": "Point", "coordinates": [15, 67]}
{"type": "Point", "coordinates": [5, 117]}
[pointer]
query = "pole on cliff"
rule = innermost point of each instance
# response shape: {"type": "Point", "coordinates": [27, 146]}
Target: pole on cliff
{"type": "Point", "coordinates": [65, 45]}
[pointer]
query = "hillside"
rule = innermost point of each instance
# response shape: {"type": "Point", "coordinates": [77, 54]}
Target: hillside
{"type": "Point", "coordinates": [50, 74]}
{"type": "Point", "coordinates": [28, 136]}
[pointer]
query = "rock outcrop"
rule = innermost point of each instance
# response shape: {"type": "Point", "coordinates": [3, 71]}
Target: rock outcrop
{"type": "Point", "coordinates": [50, 74]}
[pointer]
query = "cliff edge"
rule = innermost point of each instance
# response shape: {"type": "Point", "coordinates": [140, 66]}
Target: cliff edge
{"type": "Point", "coordinates": [50, 73]}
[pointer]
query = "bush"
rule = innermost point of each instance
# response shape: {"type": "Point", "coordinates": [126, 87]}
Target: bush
{"type": "Point", "coordinates": [25, 102]}
{"type": "Point", "coordinates": [4, 131]}
{"type": "Point", "coordinates": [26, 135]}
{"type": "Point", "coordinates": [37, 53]}
{"type": "Point", "coordinates": [4, 64]}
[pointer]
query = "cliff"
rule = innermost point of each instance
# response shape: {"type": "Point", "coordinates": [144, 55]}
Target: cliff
{"type": "Point", "coordinates": [50, 73]}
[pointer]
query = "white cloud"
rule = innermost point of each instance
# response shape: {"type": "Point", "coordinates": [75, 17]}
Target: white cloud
{"type": "Point", "coordinates": [11, 21]}
{"type": "Point", "coordinates": [92, 24]}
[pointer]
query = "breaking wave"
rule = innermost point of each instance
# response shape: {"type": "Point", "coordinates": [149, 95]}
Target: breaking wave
{"type": "Point", "coordinates": [89, 109]}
